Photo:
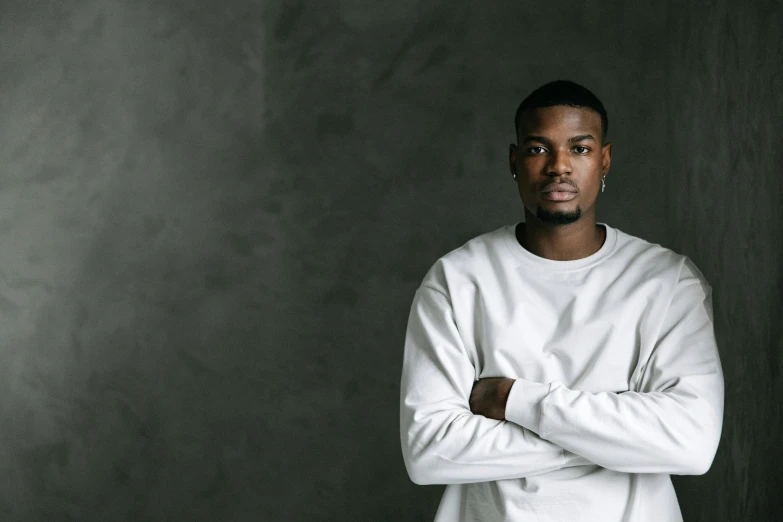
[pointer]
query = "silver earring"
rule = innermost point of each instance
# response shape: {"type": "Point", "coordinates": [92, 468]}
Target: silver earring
{"type": "Point", "coordinates": [603, 183]}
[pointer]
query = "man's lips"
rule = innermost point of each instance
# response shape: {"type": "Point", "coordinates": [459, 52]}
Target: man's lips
{"type": "Point", "coordinates": [559, 187]}
{"type": "Point", "coordinates": [557, 195]}
{"type": "Point", "coordinates": [558, 192]}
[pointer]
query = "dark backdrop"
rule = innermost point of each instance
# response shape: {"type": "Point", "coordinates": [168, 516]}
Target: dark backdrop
{"type": "Point", "coordinates": [214, 215]}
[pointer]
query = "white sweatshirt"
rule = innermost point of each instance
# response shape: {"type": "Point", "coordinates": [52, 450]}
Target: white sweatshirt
{"type": "Point", "coordinates": [618, 381]}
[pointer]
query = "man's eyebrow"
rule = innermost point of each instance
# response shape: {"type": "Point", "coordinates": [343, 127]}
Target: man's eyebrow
{"type": "Point", "coordinates": [581, 138]}
{"type": "Point", "coordinates": [535, 138]}
{"type": "Point", "coordinates": [541, 139]}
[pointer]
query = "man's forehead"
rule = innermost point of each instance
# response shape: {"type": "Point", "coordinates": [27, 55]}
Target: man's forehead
{"type": "Point", "coordinates": [563, 116]}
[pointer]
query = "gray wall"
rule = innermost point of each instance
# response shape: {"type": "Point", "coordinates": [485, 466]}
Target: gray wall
{"type": "Point", "coordinates": [214, 216]}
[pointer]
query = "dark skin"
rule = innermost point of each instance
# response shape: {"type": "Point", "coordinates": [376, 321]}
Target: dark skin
{"type": "Point", "coordinates": [557, 145]}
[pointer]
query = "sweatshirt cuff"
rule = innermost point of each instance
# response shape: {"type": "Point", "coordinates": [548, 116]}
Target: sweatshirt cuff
{"type": "Point", "coordinates": [523, 406]}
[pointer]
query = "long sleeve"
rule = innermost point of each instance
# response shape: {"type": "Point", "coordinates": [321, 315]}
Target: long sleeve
{"type": "Point", "coordinates": [442, 441]}
{"type": "Point", "coordinates": [671, 425]}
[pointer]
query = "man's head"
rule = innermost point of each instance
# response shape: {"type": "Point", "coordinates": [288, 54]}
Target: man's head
{"type": "Point", "coordinates": [563, 93]}
{"type": "Point", "coordinates": [561, 152]}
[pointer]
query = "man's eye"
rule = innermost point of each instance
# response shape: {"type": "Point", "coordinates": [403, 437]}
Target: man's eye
{"type": "Point", "coordinates": [581, 150]}
{"type": "Point", "coordinates": [536, 150]}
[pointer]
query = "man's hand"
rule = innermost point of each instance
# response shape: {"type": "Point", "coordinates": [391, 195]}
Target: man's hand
{"type": "Point", "coordinates": [488, 397]}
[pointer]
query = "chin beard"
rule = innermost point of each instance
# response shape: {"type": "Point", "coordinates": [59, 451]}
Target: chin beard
{"type": "Point", "coordinates": [558, 218]}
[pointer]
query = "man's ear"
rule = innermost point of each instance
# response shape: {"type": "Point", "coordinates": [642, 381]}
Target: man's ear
{"type": "Point", "coordinates": [606, 158]}
{"type": "Point", "coordinates": [512, 158]}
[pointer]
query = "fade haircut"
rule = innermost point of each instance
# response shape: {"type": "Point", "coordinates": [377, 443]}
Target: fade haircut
{"type": "Point", "coordinates": [562, 92]}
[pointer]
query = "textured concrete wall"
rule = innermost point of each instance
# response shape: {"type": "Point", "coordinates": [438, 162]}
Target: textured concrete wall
{"type": "Point", "coordinates": [214, 216]}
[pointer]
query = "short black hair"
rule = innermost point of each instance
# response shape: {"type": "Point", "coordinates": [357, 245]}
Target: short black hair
{"type": "Point", "coordinates": [562, 92]}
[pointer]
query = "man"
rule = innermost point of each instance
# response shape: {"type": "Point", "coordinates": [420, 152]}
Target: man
{"type": "Point", "coordinates": [560, 369]}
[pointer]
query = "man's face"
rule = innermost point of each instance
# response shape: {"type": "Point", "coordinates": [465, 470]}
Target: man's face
{"type": "Point", "coordinates": [559, 161]}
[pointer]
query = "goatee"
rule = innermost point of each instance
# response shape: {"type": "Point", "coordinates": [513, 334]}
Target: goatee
{"type": "Point", "coordinates": [558, 218]}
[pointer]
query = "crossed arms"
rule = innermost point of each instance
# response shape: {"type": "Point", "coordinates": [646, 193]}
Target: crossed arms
{"type": "Point", "coordinates": [672, 425]}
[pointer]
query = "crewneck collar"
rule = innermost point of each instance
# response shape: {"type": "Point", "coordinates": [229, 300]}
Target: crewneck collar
{"type": "Point", "coordinates": [528, 258]}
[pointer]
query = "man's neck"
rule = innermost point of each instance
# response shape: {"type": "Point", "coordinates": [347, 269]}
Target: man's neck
{"type": "Point", "coordinates": [561, 242]}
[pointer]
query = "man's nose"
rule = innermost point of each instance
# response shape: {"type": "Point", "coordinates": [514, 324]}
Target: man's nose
{"type": "Point", "coordinates": [559, 163]}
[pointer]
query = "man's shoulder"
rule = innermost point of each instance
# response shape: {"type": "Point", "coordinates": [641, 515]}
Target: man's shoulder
{"type": "Point", "coordinates": [638, 248]}
{"type": "Point", "coordinates": [476, 249]}
{"type": "Point", "coordinates": [486, 252]}
{"type": "Point", "coordinates": [462, 263]}
{"type": "Point", "coordinates": [656, 259]}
